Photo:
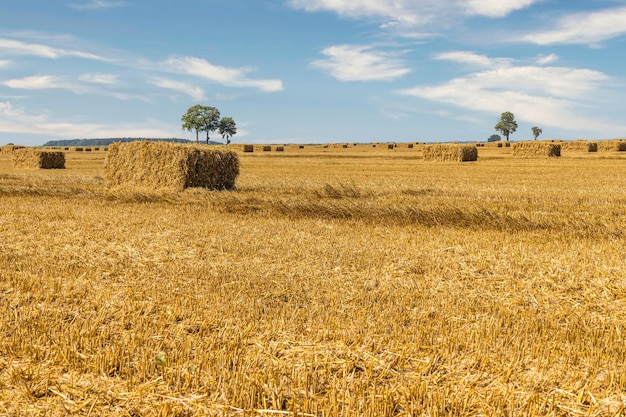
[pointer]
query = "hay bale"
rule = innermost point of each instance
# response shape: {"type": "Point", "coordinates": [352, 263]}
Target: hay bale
{"type": "Point", "coordinates": [536, 149]}
{"type": "Point", "coordinates": [78, 149]}
{"type": "Point", "coordinates": [267, 148]}
{"type": "Point", "coordinates": [612, 146]}
{"type": "Point", "coordinates": [344, 146]}
{"type": "Point", "coordinates": [248, 148]}
{"type": "Point", "coordinates": [452, 152]}
{"type": "Point", "coordinates": [390, 146]}
{"type": "Point", "coordinates": [87, 149]}
{"type": "Point", "coordinates": [579, 146]}
{"type": "Point", "coordinates": [9, 149]}
{"type": "Point", "coordinates": [410, 146]}
{"type": "Point", "coordinates": [300, 146]}
{"type": "Point", "coordinates": [280, 149]}
{"type": "Point", "coordinates": [29, 158]}
{"type": "Point", "coordinates": [96, 149]}
{"type": "Point", "coordinates": [169, 166]}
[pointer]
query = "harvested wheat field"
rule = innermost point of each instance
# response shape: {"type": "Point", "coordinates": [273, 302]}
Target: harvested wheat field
{"type": "Point", "coordinates": [330, 282]}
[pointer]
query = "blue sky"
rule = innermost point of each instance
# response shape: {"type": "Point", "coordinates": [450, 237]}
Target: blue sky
{"type": "Point", "coordinates": [311, 71]}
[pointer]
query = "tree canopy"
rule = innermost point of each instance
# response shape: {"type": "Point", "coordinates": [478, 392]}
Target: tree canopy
{"type": "Point", "coordinates": [536, 131]}
{"type": "Point", "coordinates": [507, 124]}
{"type": "Point", "coordinates": [228, 128]}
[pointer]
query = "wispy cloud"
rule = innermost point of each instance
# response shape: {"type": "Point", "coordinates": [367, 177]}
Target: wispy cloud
{"type": "Point", "coordinates": [583, 28]}
{"type": "Point", "coordinates": [42, 82]}
{"type": "Point", "coordinates": [360, 63]}
{"type": "Point", "coordinates": [15, 47]}
{"type": "Point", "coordinates": [17, 120]}
{"type": "Point", "coordinates": [98, 5]}
{"type": "Point", "coordinates": [473, 59]}
{"type": "Point", "coordinates": [194, 92]}
{"type": "Point", "coordinates": [98, 78]}
{"type": "Point", "coordinates": [232, 77]}
{"type": "Point", "coordinates": [411, 12]}
{"type": "Point", "coordinates": [552, 96]}
{"type": "Point", "coordinates": [4, 63]}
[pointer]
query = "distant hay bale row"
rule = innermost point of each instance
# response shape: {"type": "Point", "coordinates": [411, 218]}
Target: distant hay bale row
{"type": "Point", "coordinates": [451, 152]}
{"type": "Point", "coordinates": [612, 146]}
{"type": "Point", "coordinates": [536, 149]}
{"type": "Point", "coordinates": [498, 144]}
{"type": "Point", "coordinates": [169, 166]}
{"type": "Point", "coordinates": [8, 149]}
{"type": "Point", "coordinates": [29, 158]}
{"type": "Point", "coordinates": [579, 146]}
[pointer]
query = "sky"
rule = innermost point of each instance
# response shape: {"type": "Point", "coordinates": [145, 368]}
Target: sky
{"type": "Point", "coordinates": [312, 71]}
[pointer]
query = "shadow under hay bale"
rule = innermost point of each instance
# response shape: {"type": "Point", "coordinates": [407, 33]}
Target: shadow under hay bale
{"type": "Point", "coordinates": [28, 158]}
{"type": "Point", "coordinates": [579, 146]}
{"type": "Point", "coordinates": [536, 149]}
{"type": "Point", "coordinates": [169, 166]}
{"type": "Point", "coordinates": [455, 153]}
{"type": "Point", "coordinates": [248, 148]}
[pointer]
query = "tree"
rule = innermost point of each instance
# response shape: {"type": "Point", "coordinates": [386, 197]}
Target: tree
{"type": "Point", "coordinates": [536, 131]}
{"type": "Point", "coordinates": [192, 120]}
{"type": "Point", "coordinates": [507, 124]}
{"type": "Point", "coordinates": [228, 128]}
{"type": "Point", "coordinates": [494, 138]}
{"type": "Point", "coordinates": [201, 119]}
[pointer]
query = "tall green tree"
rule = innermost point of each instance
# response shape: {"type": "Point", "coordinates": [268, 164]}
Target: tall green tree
{"type": "Point", "coordinates": [192, 120]}
{"type": "Point", "coordinates": [536, 131]}
{"type": "Point", "coordinates": [228, 128]}
{"type": "Point", "coordinates": [507, 124]}
{"type": "Point", "coordinates": [210, 121]}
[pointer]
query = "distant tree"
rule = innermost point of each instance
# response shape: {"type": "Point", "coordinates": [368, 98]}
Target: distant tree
{"type": "Point", "coordinates": [210, 120]}
{"type": "Point", "coordinates": [494, 138]}
{"type": "Point", "coordinates": [192, 120]}
{"type": "Point", "coordinates": [536, 131]}
{"type": "Point", "coordinates": [507, 124]}
{"type": "Point", "coordinates": [228, 128]}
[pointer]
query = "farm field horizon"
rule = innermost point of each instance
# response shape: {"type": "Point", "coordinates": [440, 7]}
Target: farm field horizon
{"type": "Point", "coordinates": [359, 281]}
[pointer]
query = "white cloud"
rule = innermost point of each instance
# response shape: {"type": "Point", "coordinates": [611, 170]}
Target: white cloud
{"type": "Point", "coordinates": [473, 59]}
{"type": "Point", "coordinates": [192, 91]}
{"type": "Point", "coordinates": [499, 8]}
{"type": "Point", "coordinates": [41, 82]}
{"type": "Point", "coordinates": [15, 120]}
{"type": "Point", "coordinates": [551, 96]}
{"type": "Point", "coordinates": [14, 47]}
{"type": "Point", "coordinates": [98, 78]}
{"type": "Point", "coordinates": [4, 63]}
{"type": "Point", "coordinates": [98, 5]}
{"type": "Point", "coordinates": [583, 28]}
{"type": "Point", "coordinates": [360, 63]}
{"type": "Point", "coordinates": [232, 77]}
{"type": "Point", "coordinates": [411, 12]}
{"type": "Point", "coordinates": [547, 59]}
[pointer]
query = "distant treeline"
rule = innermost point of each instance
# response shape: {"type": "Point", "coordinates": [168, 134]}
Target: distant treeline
{"type": "Point", "coordinates": [108, 141]}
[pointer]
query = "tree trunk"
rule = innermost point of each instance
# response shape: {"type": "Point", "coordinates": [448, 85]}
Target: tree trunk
{"type": "Point", "coordinates": [196, 135]}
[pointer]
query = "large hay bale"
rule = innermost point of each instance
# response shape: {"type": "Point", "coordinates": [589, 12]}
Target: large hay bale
{"type": "Point", "coordinates": [536, 149]}
{"type": "Point", "coordinates": [452, 152]}
{"type": "Point", "coordinates": [8, 149]}
{"type": "Point", "coordinates": [267, 148]}
{"type": "Point", "coordinates": [29, 158]}
{"type": "Point", "coordinates": [579, 146]}
{"type": "Point", "coordinates": [248, 148]}
{"type": "Point", "coordinates": [169, 166]}
{"type": "Point", "coordinates": [410, 146]}
{"type": "Point", "coordinates": [612, 146]}
{"type": "Point", "coordinates": [390, 146]}
{"type": "Point", "coordinates": [280, 149]}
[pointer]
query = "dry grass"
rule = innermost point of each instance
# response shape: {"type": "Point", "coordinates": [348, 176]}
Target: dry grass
{"type": "Point", "coordinates": [451, 152]}
{"type": "Point", "coordinates": [354, 282]}
{"type": "Point", "coordinates": [536, 149]}
{"type": "Point", "coordinates": [169, 166]}
{"type": "Point", "coordinates": [8, 149]}
{"type": "Point", "coordinates": [617, 145]}
{"type": "Point", "coordinates": [30, 158]}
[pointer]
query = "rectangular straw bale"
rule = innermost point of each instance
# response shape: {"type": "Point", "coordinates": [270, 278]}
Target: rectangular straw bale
{"type": "Point", "coordinates": [536, 149]}
{"type": "Point", "coordinates": [410, 146]}
{"type": "Point", "coordinates": [579, 146]}
{"type": "Point", "coordinates": [248, 148]}
{"type": "Point", "coordinates": [8, 149]}
{"type": "Point", "coordinates": [280, 149]}
{"type": "Point", "coordinates": [612, 146]}
{"type": "Point", "coordinates": [390, 146]}
{"type": "Point", "coordinates": [267, 148]}
{"type": "Point", "coordinates": [29, 158]}
{"type": "Point", "coordinates": [450, 152]}
{"type": "Point", "coordinates": [167, 166]}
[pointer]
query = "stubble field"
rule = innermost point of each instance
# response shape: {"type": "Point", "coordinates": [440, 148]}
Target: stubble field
{"type": "Point", "coordinates": [333, 282]}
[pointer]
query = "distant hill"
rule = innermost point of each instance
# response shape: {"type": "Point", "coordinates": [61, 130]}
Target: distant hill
{"type": "Point", "coordinates": [108, 141]}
